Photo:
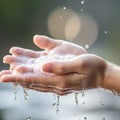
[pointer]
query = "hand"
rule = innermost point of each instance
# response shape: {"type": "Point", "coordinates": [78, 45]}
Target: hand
{"type": "Point", "coordinates": [85, 71]}
{"type": "Point", "coordinates": [25, 69]}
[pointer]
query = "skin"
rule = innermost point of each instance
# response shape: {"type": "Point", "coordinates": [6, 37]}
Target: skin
{"type": "Point", "coordinates": [75, 69]}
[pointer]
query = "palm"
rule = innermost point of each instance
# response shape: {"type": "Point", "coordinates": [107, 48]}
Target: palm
{"type": "Point", "coordinates": [26, 63]}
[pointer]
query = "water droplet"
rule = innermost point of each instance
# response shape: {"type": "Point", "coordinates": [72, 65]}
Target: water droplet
{"type": "Point", "coordinates": [53, 104]}
{"type": "Point", "coordinates": [87, 46]}
{"type": "Point", "coordinates": [85, 118]}
{"type": "Point", "coordinates": [105, 32]}
{"type": "Point", "coordinates": [83, 93]}
{"type": "Point", "coordinates": [54, 96]}
{"type": "Point", "coordinates": [114, 92]}
{"type": "Point", "coordinates": [60, 17]}
{"type": "Point", "coordinates": [82, 2]}
{"type": "Point", "coordinates": [81, 10]}
{"type": "Point", "coordinates": [25, 91]}
{"type": "Point", "coordinates": [101, 103]}
{"type": "Point", "coordinates": [83, 103]}
{"type": "Point", "coordinates": [57, 104]}
{"type": "Point", "coordinates": [28, 118]}
{"type": "Point", "coordinates": [103, 118]}
{"type": "Point", "coordinates": [15, 90]}
{"type": "Point", "coordinates": [76, 97]}
{"type": "Point", "coordinates": [64, 8]}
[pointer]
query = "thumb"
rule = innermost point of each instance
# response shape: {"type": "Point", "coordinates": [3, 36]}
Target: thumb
{"type": "Point", "coordinates": [44, 42]}
{"type": "Point", "coordinates": [60, 67]}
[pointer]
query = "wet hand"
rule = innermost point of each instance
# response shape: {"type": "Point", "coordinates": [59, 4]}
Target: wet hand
{"type": "Point", "coordinates": [87, 70]}
{"type": "Point", "coordinates": [25, 64]}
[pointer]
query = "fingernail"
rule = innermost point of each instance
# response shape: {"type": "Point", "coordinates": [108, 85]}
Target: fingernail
{"type": "Point", "coordinates": [47, 67]}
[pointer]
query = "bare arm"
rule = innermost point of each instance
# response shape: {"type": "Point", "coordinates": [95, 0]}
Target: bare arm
{"type": "Point", "coordinates": [112, 78]}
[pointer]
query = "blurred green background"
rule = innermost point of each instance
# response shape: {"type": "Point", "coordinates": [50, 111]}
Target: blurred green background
{"type": "Point", "coordinates": [20, 20]}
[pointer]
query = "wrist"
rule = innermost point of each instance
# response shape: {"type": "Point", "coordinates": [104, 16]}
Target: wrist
{"type": "Point", "coordinates": [111, 79]}
{"type": "Point", "coordinates": [107, 75]}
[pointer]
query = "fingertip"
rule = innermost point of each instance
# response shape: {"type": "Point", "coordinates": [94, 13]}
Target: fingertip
{"type": "Point", "coordinates": [3, 78]}
{"type": "Point", "coordinates": [35, 37]}
{"type": "Point", "coordinates": [4, 61]}
{"type": "Point", "coordinates": [47, 67]}
{"type": "Point", "coordinates": [12, 49]}
{"type": "Point", "coordinates": [5, 58]}
{"type": "Point", "coordinates": [36, 40]}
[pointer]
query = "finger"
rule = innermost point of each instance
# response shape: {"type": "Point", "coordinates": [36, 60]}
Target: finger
{"type": "Point", "coordinates": [3, 72]}
{"type": "Point", "coordinates": [23, 69]}
{"type": "Point", "coordinates": [11, 59]}
{"type": "Point", "coordinates": [62, 67]}
{"type": "Point", "coordinates": [46, 89]}
{"type": "Point", "coordinates": [23, 76]}
{"type": "Point", "coordinates": [14, 65]}
{"type": "Point", "coordinates": [14, 77]}
{"type": "Point", "coordinates": [45, 42]}
{"type": "Point", "coordinates": [24, 52]}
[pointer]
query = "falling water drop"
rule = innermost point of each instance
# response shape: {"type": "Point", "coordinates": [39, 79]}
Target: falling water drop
{"type": "Point", "coordinates": [54, 97]}
{"type": "Point", "coordinates": [114, 92]}
{"type": "Point", "coordinates": [103, 118]}
{"type": "Point", "coordinates": [85, 118]}
{"type": "Point", "coordinates": [64, 8]}
{"type": "Point", "coordinates": [26, 96]}
{"type": "Point", "coordinates": [76, 97]}
{"type": "Point", "coordinates": [105, 32]}
{"type": "Point", "coordinates": [87, 46]}
{"type": "Point", "coordinates": [57, 104]}
{"type": "Point", "coordinates": [28, 118]}
{"type": "Point", "coordinates": [83, 103]}
{"type": "Point", "coordinates": [82, 2]}
{"type": "Point", "coordinates": [60, 17]}
{"type": "Point", "coordinates": [81, 10]}
{"type": "Point", "coordinates": [15, 90]}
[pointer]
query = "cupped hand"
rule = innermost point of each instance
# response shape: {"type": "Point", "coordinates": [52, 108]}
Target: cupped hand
{"type": "Point", "coordinates": [25, 65]}
{"type": "Point", "coordinates": [86, 71]}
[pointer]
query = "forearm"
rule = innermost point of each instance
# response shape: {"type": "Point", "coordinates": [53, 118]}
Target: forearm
{"type": "Point", "coordinates": [112, 78]}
